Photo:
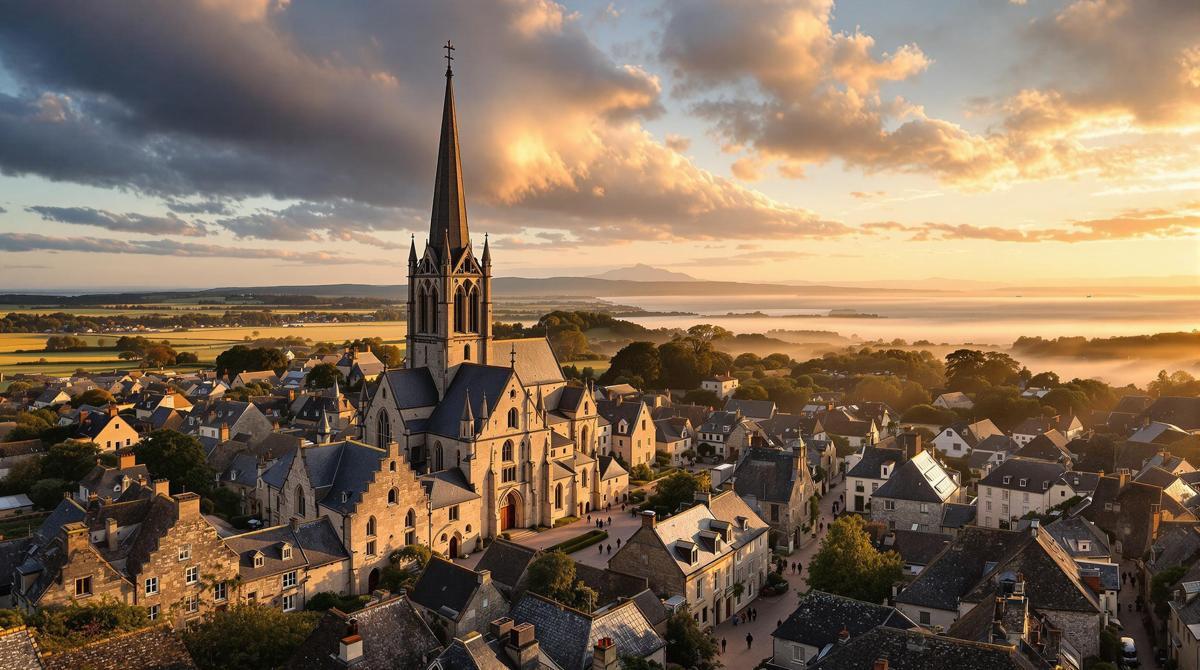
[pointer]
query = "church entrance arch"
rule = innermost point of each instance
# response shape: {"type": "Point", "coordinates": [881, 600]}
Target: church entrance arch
{"type": "Point", "coordinates": [373, 580]}
{"type": "Point", "coordinates": [510, 511]}
{"type": "Point", "coordinates": [454, 547]}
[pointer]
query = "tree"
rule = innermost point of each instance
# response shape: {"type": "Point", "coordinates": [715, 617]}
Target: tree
{"type": "Point", "coordinates": [187, 358]}
{"type": "Point", "coordinates": [323, 375]}
{"type": "Point", "coordinates": [240, 358]}
{"type": "Point", "coordinates": [70, 460]}
{"type": "Point", "coordinates": [750, 392]}
{"type": "Point", "coordinates": [680, 365]}
{"type": "Point", "coordinates": [553, 575]}
{"type": "Point", "coordinates": [635, 361]}
{"type": "Point", "coordinates": [1178, 383]}
{"type": "Point", "coordinates": [18, 387]}
{"type": "Point", "coordinates": [1044, 380]}
{"type": "Point", "coordinates": [158, 355]}
{"type": "Point", "coordinates": [702, 397]}
{"type": "Point", "coordinates": [94, 397]}
{"type": "Point", "coordinates": [678, 488]}
{"type": "Point", "coordinates": [47, 493]}
{"type": "Point", "coordinates": [177, 457]}
{"type": "Point", "coordinates": [247, 636]}
{"type": "Point", "coordinates": [1161, 585]}
{"type": "Point", "coordinates": [847, 564]}
{"type": "Point", "coordinates": [569, 344]}
{"type": "Point", "coordinates": [706, 332]}
{"type": "Point", "coordinates": [973, 370]}
{"type": "Point", "coordinates": [688, 646]}
{"type": "Point", "coordinates": [638, 663]}
{"type": "Point", "coordinates": [11, 619]}
{"type": "Point", "coordinates": [65, 343]}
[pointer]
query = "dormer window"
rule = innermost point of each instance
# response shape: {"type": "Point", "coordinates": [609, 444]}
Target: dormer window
{"type": "Point", "coordinates": [1023, 482]}
{"type": "Point", "coordinates": [1085, 545]}
{"type": "Point", "coordinates": [1045, 486]}
{"type": "Point", "coordinates": [286, 552]}
{"type": "Point", "coordinates": [695, 555]}
{"type": "Point", "coordinates": [258, 559]}
{"type": "Point", "coordinates": [1007, 479]}
{"type": "Point", "coordinates": [623, 427]}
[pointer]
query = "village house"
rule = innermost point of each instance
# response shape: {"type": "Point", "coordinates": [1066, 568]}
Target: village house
{"type": "Point", "coordinates": [285, 566]}
{"type": "Point", "coordinates": [456, 600]}
{"type": "Point", "coordinates": [1068, 425]}
{"type": "Point", "coordinates": [1048, 446]}
{"type": "Point", "coordinates": [871, 466]}
{"type": "Point", "coordinates": [1014, 488]}
{"type": "Point", "coordinates": [633, 431]}
{"type": "Point", "coordinates": [107, 429]}
{"type": "Point", "coordinates": [50, 397]}
{"type": "Point", "coordinates": [1183, 626]}
{"type": "Point", "coordinates": [821, 622]}
{"type": "Point", "coordinates": [673, 436]}
{"type": "Point", "coordinates": [1130, 512]}
{"type": "Point", "coordinates": [726, 434]}
{"type": "Point", "coordinates": [758, 410]}
{"type": "Point", "coordinates": [104, 481]}
{"type": "Point", "coordinates": [386, 633]}
{"type": "Point", "coordinates": [884, 647]}
{"type": "Point", "coordinates": [958, 439]}
{"type": "Point", "coordinates": [233, 417]}
{"type": "Point", "coordinates": [778, 486]}
{"type": "Point", "coordinates": [700, 554]}
{"type": "Point", "coordinates": [857, 432]}
{"type": "Point", "coordinates": [148, 402]}
{"type": "Point", "coordinates": [722, 385]}
{"type": "Point", "coordinates": [953, 400]}
{"type": "Point", "coordinates": [261, 377]}
{"type": "Point", "coordinates": [915, 494]}
{"type": "Point", "coordinates": [576, 640]}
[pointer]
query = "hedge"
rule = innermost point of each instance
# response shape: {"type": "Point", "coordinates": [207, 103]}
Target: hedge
{"type": "Point", "coordinates": [579, 542]}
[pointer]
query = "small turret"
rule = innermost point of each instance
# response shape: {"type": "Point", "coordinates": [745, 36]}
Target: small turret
{"type": "Point", "coordinates": [486, 259]}
{"type": "Point", "coordinates": [466, 426]}
{"type": "Point", "coordinates": [412, 254]}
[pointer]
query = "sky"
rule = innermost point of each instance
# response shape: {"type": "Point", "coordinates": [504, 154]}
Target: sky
{"type": "Point", "coordinates": [262, 142]}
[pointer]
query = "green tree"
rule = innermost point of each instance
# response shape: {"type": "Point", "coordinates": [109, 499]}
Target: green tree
{"type": "Point", "coordinates": [638, 663]}
{"type": "Point", "coordinates": [1161, 586]}
{"type": "Point", "coordinates": [635, 361]}
{"type": "Point", "coordinates": [681, 367]}
{"type": "Point", "coordinates": [61, 628]}
{"type": "Point", "coordinates": [240, 358]}
{"type": "Point", "coordinates": [678, 488]}
{"type": "Point", "coordinates": [247, 636]}
{"type": "Point", "coordinates": [747, 391]}
{"type": "Point", "coordinates": [322, 376]}
{"type": "Point", "coordinates": [847, 564]}
{"type": "Point", "coordinates": [1178, 383]}
{"type": "Point", "coordinates": [177, 457]}
{"type": "Point", "coordinates": [47, 493]}
{"type": "Point", "coordinates": [70, 460]}
{"type": "Point", "coordinates": [569, 344]}
{"type": "Point", "coordinates": [1044, 380]}
{"type": "Point", "coordinates": [703, 397]}
{"type": "Point", "coordinates": [553, 575]}
{"type": "Point", "coordinates": [94, 397]}
{"type": "Point", "coordinates": [706, 332]}
{"type": "Point", "coordinates": [688, 646]}
{"type": "Point", "coordinates": [187, 358]}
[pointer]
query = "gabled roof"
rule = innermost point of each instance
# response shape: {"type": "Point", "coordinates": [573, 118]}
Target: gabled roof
{"type": "Point", "coordinates": [153, 648]}
{"type": "Point", "coordinates": [1052, 580]}
{"type": "Point", "coordinates": [919, 479]}
{"type": "Point", "coordinates": [870, 466]}
{"type": "Point", "coordinates": [958, 568]}
{"type": "Point", "coordinates": [974, 433]}
{"type": "Point", "coordinates": [479, 383]}
{"type": "Point", "coordinates": [820, 618]}
{"type": "Point", "coordinates": [313, 544]}
{"type": "Point", "coordinates": [610, 468]}
{"type": "Point", "coordinates": [393, 634]}
{"type": "Point", "coordinates": [616, 411]}
{"type": "Point", "coordinates": [1037, 475]}
{"type": "Point", "coordinates": [767, 474]}
{"type": "Point", "coordinates": [1178, 411]}
{"type": "Point", "coordinates": [445, 587]}
{"type": "Point", "coordinates": [1048, 446]}
{"type": "Point", "coordinates": [957, 515]}
{"type": "Point", "coordinates": [1074, 533]}
{"type": "Point", "coordinates": [410, 387]}
{"type": "Point", "coordinates": [755, 409]}
{"type": "Point", "coordinates": [568, 636]}
{"type": "Point", "coordinates": [914, 546]}
{"type": "Point", "coordinates": [535, 362]}
{"type": "Point", "coordinates": [917, 650]}
{"type": "Point", "coordinates": [447, 487]}
{"type": "Point", "coordinates": [507, 561]}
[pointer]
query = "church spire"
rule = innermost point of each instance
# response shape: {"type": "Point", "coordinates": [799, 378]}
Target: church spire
{"type": "Point", "coordinates": [449, 221]}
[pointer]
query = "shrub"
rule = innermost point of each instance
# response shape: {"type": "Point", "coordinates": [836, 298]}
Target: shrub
{"type": "Point", "coordinates": [328, 599]}
{"type": "Point", "coordinates": [576, 543]}
{"type": "Point", "coordinates": [62, 628]}
{"type": "Point", "coordinates": [565, 521]}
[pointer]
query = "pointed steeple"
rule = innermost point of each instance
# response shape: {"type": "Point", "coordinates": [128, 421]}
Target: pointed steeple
{"type": "Point", "coordinates": [486, 259]}
{"type": "Point", "coordinates": [466, 425]}
{"type": "Point", "coordinates": [449, 219]}
{"type": "Point", "coordinates": [412, 251]}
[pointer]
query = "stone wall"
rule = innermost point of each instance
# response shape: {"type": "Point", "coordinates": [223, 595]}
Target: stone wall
{"type": "Point", "coordinates": [643, 555]}
{"type": "Point", "coordinates": [1081, 629]}
{"type": "Point", "coordinates": [906, 514]}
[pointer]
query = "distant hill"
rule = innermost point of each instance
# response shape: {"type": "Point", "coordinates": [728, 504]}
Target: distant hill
{"type": "Point", "coordinates": [643, 272]}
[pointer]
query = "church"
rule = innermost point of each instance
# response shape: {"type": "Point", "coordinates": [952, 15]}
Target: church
{"type": "Point", "coordinates": [477, 417]}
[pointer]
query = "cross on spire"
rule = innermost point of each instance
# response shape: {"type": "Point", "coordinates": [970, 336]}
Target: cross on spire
{"type": "Point", "coordinates": [449, 47]}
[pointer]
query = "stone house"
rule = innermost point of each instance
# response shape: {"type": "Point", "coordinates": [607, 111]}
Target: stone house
{"type": "Point", "coordinates": [701, 554]}
{"type": "Point", "coordinates": [285, 566]}
{"type": "Point", "coordinates": [821, 622]}
{"type": "Point", "coordinates": [633, 430]}
{"type": "Point", "coordinates": [455, 600]}
{"type": "Point", "coordinates": [915, 495]}
{"type": "Point", "coordinates": [614, 483]}
{"type": "Point", "coordinates": [673, 436]}
{"type": "Point", "coordinates": [722, 385]}
{"type": "Point", "coordinates": [575, 640]}
{"type": "Point", "coordinates": [1131, 513]}
{"type": "Point", "coordinates": [105, 481]}
{"type": "Point", "coordinates": [872, 465]}
{"type": "Point", "coordinates": [372, 496]}
{"type": "Point", "coordinates": [959, 439]}
{"type": "Point", "coordinates": [229, 417]}
{"type": "Point", "coordinates": [386, 633]}
{"type": "Point", "coordinates": [883, 647]}
{"type": "Point", "coordinates": [1016, 487]}
{"type": "Point", "coordinates": [1183, 628]}
{"type": "Point", "coordinates": [727, 434]}
{"type": "Point", "coordinates": [778, 486]}
{"type": "Point", "coordinates": [857, 432]}
{"type": "Point", "coordinates": [107, 429]}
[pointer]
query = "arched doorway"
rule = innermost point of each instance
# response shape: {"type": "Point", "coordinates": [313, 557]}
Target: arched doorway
{"type": "Point", "coordinates": [509, 511]}
{"type": "Point", "coordinates": [454, 547]}
{"type": "Point", "coordinates": [372, 580]}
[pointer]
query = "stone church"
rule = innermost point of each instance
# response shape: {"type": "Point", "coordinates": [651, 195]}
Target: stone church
{"type": "Point", "coordinates": [477, 417]}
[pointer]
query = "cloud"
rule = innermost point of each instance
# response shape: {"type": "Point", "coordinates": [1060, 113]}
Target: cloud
{"type": "Point", "coordinates": [1161, 223]}
{"type": "Point", "coordinates": [805, 94]}
{"type": "Point", "coordinates": [27, 242]}
{"type": "Point", "coordinates": [128, 223]}
{"type": "Point", "coordinates": [678, 142]}
{"type": "Point", "coordinates": [217, 102]}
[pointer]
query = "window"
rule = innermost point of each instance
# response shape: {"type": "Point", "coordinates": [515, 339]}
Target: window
{"type": "Point", "coordinates": [924, 508]}
{"type": "Point", "coordinates": [924, 618]}
{"type": "Point", "coordinates": [185, 552]}
{"type": "Point", "coordinates": [371, 527]}
{"type": "Point", "coordinates": [506, 452]}
{"type": "Point", "coordinates": [192, 574]}
{"type": "Point", "coordinates": [774, 512]}
{"type": "Point", "coordinates": [889, 505]}
{"type": "Point", "coordinates": [151, 586]}
{"type": "Point", "coordinates": [152, 611]}
{"type": "Point", "coordinates": [289, 579]}
{"type": "Point", "coordinates": [700, 587]}
{"type": "Point", "coordinates": [393, 496]}
{"type": "Point", "coordinates": [285, 552]}
{"type": "Point", "coordinates": [220, 591]}
{"type": "Point", "coordinates": [289, 602]}
{"type": "Point", "coordinates": [558, 498]}
{"type": "Point", "coordinates": [513, 419]}
{"type": "Point", "coordinates": [410, 519]}
{"type": "Point", "coordinates": [509, 474]}
{"type": "Point", "coordinates": [410, 537]}
{"type": "Point", "coordinates": [193, 604]}
{"type": "Point", "coordinates": [797, 653]}
{"type": "Point", "coordinates": [392, 466]}
{"type": "Point", "coordinates": [1085, 545]}
{"type": "Point", "coordinates": [454, 513]}
{"type": "Point", "coordinates": [258, 560]}
{"type": "Point", "coordinates": [370, 547]}
{"type": "Point", "coordinates": [300, 501]}
{"type": "Point", "coordinates": [1023, 482]}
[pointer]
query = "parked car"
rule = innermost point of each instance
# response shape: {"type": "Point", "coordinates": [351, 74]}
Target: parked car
{"type": "Point", "coordinates": [1129, 657]}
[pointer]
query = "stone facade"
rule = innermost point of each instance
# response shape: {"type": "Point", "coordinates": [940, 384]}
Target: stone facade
{"type": "Point", "coordinates": [907, 514]}
{"type": "Point", "coordinates": [1081, 629]}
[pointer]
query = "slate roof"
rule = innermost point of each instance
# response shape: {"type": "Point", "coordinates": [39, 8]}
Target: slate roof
{"type": "Point", "coordinates": [1179, 544]}
{"type": "Point", "coordinates": [919, 479]}
{"type": "Point", "coordinates": [767, 474]}
{"type": "Point", "coordinates": [568, 636]}
{"type": "Point", "coordinates": [410, 387]}
{"type": "Point", "coordinates": [755, 409]}
{"type": "Point", "coordinates": [445, 587]}
{"type": "Point", "coordinates": [870, 466]}
{"type": "Point", "coordinates": [838, 422]}
{"type": "Point", "coordinates": [480, 381]}
{"type": "Point", "coordinates": [153, 648]}
{"type": "Point", "coordinates": [697, 414]}
{"type": "Point", "coordinates": [447, 487]}
{"type": "Point", "coordinates": [1177, 411]}
{"type": "Point", "coordinates": [1126, 513]}
{"type": "Point", "coordinates": [917, 650]}
{"type": "Point", "coordinates": [313, 543]}
{"type": "Point", "coordinates": [610, 587]}
{"type": "Point", "coordinates": [394, 638]}
{"type": "Point", "coordinates": [914, 546]}
{"type": "Point", "coordinates": [615, 411]}
{"type": "Point", "coordinates": [1052, 580]}
{"type": "Point", "coordinates": [18, 650]}
{"type": "Point", "coordinates": [473, 652]}
{"type": "Point", "coordinates": [103, 480]}
{"type": "Point", "coordinates": [507, 561]}
{"type": "Point", "coordinates": [21, 448]}
{"type": "Point", "coordinates": [610, 468]}
{"type": "Point", "coordinates": [92, 423]}
{"type": "Point", "coordinates": [958, 568]}
{"type": "Point", "coordinates": [651, 607]}
{"type": "Point", "coordinates": [1038, 475]}
{"type": "Point", "coordinates": [998, 443]}
{"type": "Point", "coordinates": [671, 429]}
{"type": "Point", "coordinates": [974, 433]}
{"type": "Point", "coordinates": [1069, 532]}
{"type": "Point", "coordinates": [1049, 446]}
{"type": "Point", "coordinates": [536, 362]}
{"type": "Point", "coordinates": [957, 515]}
{"type": "Point", "coordinates": [820, 618]}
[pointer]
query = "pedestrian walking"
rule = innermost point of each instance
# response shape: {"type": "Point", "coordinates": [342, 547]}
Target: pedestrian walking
{"type": "Point", "coordinates": [618, 543]}
{"type": "Point", "coordinates": [610, 520]}
{"type": "Point", "coordinates": [749, 640]}
{"type": "Point", "coordinates": [723, 643]}
{"type": "Point", "coordinates": [610, 550]}
{"type": "Point", "coordinates": [589, 518]}
{"type": "Point", "coordinates": [601, 547]}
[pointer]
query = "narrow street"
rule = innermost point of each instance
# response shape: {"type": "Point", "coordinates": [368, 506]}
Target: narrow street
{"type": "Point", "coordinates": [1132, 620]}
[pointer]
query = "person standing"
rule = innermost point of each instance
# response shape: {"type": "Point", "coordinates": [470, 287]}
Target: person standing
{"type": "Point", "coordinates": [723, 643]}
{"type": "Point", "coordinates": [749, 640]}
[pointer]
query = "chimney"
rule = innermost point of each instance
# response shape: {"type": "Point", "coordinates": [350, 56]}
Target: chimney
{"type": "Point", "coordinates": [294, 523]}
{"type": "Point", "coordinates": [499, 628]}
{"type": "Point", "coordinates": [110, 533]}
{"type": "Point", "coordinates": [112, 410]}
{"type": "Point", "coordinates": [604, 654]}
{"type": "Point", "coordinates": [291, 396]}
{"type": "Point", "coordinates": [483, 577]}
{"type": "Point", "coordinates": [77, 537]}
{"type": "Point", "coordinates": [126, 459]}
{"type": "Point", "coordinates": [187, 506]}
{"type": "Point", "coordinates": [522, 647]}
{"type": "Point", "coordinates": [703, 497]}
{"type": "Point", "coordinates": [350, 647]}
{"type": "Point", "coordinates": [1123, 477]}
{"type": "Point", "coordinates": [648, 519]}
{"type": "Point", "coordinates": [880, 664]}
{"type": "Point", "coordinates": [162, 487]}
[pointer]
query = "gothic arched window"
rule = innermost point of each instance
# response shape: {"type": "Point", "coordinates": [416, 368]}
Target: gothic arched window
{"type": "Point", "coordinates": [410, 519]}
{"type": "Point", "coordinates": [371, 527]}
{"type": "Point", "coordinates": [300, 502]}
{"type": "Point", "coordinates": [460, 310]}
{"type": "Point", "coordinates": [383, 430]}
{"type": "Point", "coordinates": [513, 419]}
{"type": "Point", "coordinates": [437, 458]}
{"type": "Point", "coordinates": [558, 497]}
{"type": "Point", "coordinates": [506, 452]}
{"type": "Point", "coordinates": [393, 496]}
{"type": "Point", "coordinates": [474, 310]}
